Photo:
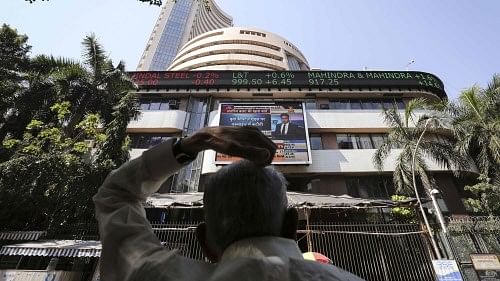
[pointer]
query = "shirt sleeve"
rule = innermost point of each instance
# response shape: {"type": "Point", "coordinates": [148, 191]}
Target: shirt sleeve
{"type": "Point", "coordinates": [126, 235]}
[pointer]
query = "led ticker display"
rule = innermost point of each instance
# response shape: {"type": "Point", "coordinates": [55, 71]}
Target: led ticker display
{"type": "Point", "coordinates": [289, 79]}
{"type": "Point", "coordinates": [283, 122]}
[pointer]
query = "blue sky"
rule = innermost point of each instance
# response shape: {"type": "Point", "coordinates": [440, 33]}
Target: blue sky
{"type": "Point", "coordinates": [458, 40]}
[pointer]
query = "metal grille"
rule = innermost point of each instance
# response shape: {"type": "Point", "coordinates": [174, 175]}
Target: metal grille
{"type": "Point", "coordinates": [371, 251]}
{"type": "Point", "coordinates": [180, 236]}
{"type": "Point", "coordinates": [473, 235]}
{"type": "Point", "coordinates": [374, 251]}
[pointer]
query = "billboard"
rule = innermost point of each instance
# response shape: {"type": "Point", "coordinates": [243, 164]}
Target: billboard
{"type": "Point", "coordinates": [284, 123]}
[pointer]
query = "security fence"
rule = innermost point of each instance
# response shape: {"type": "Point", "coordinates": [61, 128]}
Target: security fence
{"type": "Point", "coordinates": [374, 251]}
{"type": "Point", "coordinates": [473, 235]}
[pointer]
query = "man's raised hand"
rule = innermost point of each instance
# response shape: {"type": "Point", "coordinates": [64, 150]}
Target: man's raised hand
{"type": "Point", "coordinates": [241, 141]}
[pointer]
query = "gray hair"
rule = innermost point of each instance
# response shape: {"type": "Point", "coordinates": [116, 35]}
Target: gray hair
{"type": "Point", "coordinates": [244, 200]}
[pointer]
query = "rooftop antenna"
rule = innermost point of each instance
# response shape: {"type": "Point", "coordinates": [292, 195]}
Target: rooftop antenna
{"type": "Point", "coordinates": [408, 64]}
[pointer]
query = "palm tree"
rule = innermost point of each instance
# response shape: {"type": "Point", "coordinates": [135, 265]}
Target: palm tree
{"type": "Point", "coordinates": [415, 137]}
{"type": "Point", "coordinates": [99, 88]}
{"type": "Point", "coordinates": [476, 126]}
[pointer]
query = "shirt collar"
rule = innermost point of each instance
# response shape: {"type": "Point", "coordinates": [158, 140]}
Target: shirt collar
{"type": "Point", "coordinates": [258, 247]}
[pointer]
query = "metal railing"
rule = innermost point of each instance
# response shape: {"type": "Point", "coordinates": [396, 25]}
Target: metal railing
{"type": "Point", "coordinates": [372, 251]}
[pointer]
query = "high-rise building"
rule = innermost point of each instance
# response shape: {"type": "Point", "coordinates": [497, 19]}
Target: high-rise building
{"type": "Point", "coordinates": [344, 200]}
{"type": "Point", "coordinates": [239, 48]}
{"type": "Point", "coordinates": [180, 21]}
{"type": "Point", "coordinates": [164, 115]}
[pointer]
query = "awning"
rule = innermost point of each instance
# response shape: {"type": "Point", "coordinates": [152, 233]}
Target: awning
{"type": "Point", "coordinates": [295, 199]}
{"type": "Point", "coordinates": [54, 248]}
{"type": "Point", "coordinates": [22, 235]}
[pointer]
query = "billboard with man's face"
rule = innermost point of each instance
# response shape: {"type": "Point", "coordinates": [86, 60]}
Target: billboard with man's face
{"type": "Point", "coordinates": [283, 122]}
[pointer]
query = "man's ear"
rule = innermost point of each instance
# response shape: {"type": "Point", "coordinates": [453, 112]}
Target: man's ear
{"type": "Point", "coordinates": [201, 235]}
{"type": "Point", "coordinates": [290, 223]}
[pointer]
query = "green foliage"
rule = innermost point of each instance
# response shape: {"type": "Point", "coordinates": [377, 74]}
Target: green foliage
{"type": "Point", "coordinates": [416, 123]}
{"type": "Point", "coordinates": [48, 171]}
{"type": "Point", "coordinates": [62, 109]}
{"type": "Point", "coordinates": [404, 214]}
{"type": "Point", "coordinates": [486, 198]}
{"type": "Point", "coordinates": [476, 126]}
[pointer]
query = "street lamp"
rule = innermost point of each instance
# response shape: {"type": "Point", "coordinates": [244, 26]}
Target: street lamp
{"type": "Point", "coordinates": [424, 215]}
{"type": "Point", "coordinates": [439, 214]}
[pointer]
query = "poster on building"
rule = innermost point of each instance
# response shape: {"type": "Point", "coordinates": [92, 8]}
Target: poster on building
{"type": "Point", "coordinates": [487, 266]}
{"type": "Point", "coordinates": [285, 123]}
{"type": "Point", "coordinates": [446, 270]}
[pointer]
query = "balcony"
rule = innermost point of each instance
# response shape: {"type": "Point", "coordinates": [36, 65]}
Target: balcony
{"type": "Point", "coordinates": [352, 120]}
{"type": "Point", "coordinates": [334, 162]}
{"type": "Point", "coordinates": [169, 121]}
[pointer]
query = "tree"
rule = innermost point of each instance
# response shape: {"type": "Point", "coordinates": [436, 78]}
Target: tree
{"type": "Point", "coordinates": [52, 172]}
{"type": "Point", "coordinates": [476, 127]}
{"type": "Point", "coordinates": [13, 60]}
{"type": "Point", "coordinates": [404, 132]}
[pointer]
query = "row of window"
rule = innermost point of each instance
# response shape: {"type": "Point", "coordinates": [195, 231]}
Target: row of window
{"type": "Point", "coordinates": [350, 141]}
{"type": "Point", "coordinates": [370, 186]}
{"type": "Point", "coordinates": [360, 141]}
{"type": "Point", "coordinates": [355, 104]}
{"type": "Point", "coordinates": [158, 104]}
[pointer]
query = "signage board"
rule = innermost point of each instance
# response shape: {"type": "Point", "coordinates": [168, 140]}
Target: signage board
{"type": "Point", "coordinates": [447, 270]}
{"type": "Point", "coordinates": [290, 79]}
{"type": "Point", "coordinates": [487, 266]}
{"type": "Point", "coordinates": [285, 123]}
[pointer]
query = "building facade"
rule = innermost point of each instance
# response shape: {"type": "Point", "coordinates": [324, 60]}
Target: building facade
{"type": "Point", "coordinates": [342, 198]}
{"type": "Point", "coordinates": [345, 125]}
{"type": "Point", "coordinates": [239, 48]}
{"type": "Point", "coordinates": [180, 21]}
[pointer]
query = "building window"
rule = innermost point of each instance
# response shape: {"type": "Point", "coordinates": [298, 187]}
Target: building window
{"type": "Point", "coordinates": [293, 63]}
{"type": "Point", "coordinates": [310, 104]}
{"type": "Point", "coordinates": [315, 140]}
{"type": "Point", "coordinates": [145, 141]}
{"type": "Point", "coordinates": [360, 141]}
{"type": "Point", "coordinates": [370, 187]}
{"type": "Point", "coordinates": [158, 104]}
{"type": "Point", "coordinates": [361, 104]}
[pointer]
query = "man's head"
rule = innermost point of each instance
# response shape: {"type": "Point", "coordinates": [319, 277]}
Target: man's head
{"type": "Point", "coordinates": [285, 118]}
{"type": "Point", "coordinates": [244, 200]}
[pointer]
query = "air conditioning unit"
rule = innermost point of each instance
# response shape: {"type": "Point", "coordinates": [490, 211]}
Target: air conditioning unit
{"type": "Point", "coordinates": [172, 102]}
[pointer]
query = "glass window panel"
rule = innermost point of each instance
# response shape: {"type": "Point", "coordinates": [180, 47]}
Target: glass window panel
{"type": "Point", "coordinates": [367, 104]}
{"type": "Point", "coordinates": [376, 104]}
{"type": "Point", "coordinates": [310, 104]}
{"type": "Point", "coordinates": [341, 104]}
{"type": "Point", "coordinates": [143, 142]}
{"type": "Point", "coordinates": [352, 186]}
{"type": "Point", "coordinates": [365, 190]}
{"type": "Point", "coordinates": [345, 141]}
{"type": "Point", "coordinates": [401, 104]}
{"type": "Point", "coordinates": [144, 105]}
{"type": "Point", "coordinates": [363, 141]}
{"type": "Point", "coordinates": [164, 106]}
{"type": "Point", "coordinates": [316, 143]}
{"type": "Point", "coordinates": [370, 186]}
{"type": "Point", "coordinates": [355, 104]}
{"type": "Point", "coordinates": [378, 140]}
{"type": "Point", "coordinates": [388, 104]}
{"type": "Point", "coordinates": [155, 105]}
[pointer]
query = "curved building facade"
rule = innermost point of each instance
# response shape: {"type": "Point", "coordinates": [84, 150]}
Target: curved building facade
{"type": "Point", "coordinates": [239, 48]}
{"type": "Point", "coordinates": [180, 21]}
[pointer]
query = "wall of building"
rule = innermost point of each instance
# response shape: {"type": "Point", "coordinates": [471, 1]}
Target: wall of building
{"type": "Point", "coordinates": [180, 21]}
{"type": "Point", "coordinates": [239, 48]}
